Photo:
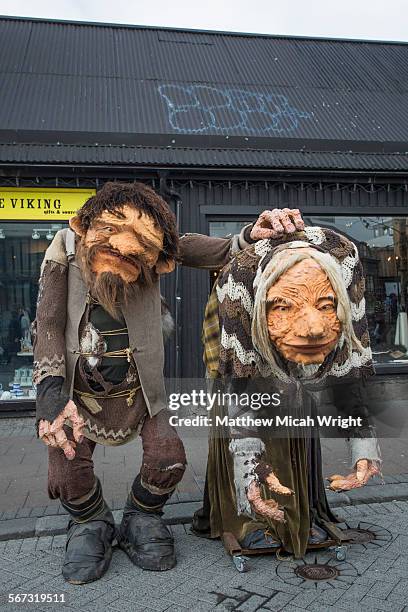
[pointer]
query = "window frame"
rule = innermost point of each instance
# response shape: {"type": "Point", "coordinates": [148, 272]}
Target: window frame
{"type": "Point", "coordinates": [18, 407]}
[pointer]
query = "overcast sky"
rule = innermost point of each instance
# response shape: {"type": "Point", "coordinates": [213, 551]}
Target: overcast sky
{"type": "Point", "coordinates": [372, 19]}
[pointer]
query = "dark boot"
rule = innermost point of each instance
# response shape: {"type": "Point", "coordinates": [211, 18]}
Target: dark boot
{"type": "Point", "coordinates": [91, 531]}
{"type": "Point", "coordinates": [88, 551]}
{"type": "Point", "coordinates": [145, 538]}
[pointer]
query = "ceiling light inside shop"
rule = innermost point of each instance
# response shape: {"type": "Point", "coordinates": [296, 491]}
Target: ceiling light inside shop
{"type": "Point", "coordinates": [2, 235]}
{"type": "Point", "coordinates": [35, 235]}
{"type": "Point", "coordinates": [49, 235]}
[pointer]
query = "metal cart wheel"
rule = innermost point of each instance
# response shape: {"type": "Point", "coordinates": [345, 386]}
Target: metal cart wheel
{"type": "Point", "coordinates": [240, 562]}
{"type": "Point", "coordinates": [340, 553]}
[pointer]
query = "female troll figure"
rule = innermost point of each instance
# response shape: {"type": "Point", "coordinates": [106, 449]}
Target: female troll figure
{"type": "Point", "coordinates": [287, 319]}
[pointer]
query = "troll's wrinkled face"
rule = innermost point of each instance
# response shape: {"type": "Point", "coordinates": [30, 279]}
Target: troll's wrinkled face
{"type": "Point", "coordinates": [123, 244]}
{"type": "Point", "coordinates": [302, 314]}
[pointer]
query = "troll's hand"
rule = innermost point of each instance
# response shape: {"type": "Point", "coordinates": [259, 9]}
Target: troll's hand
{"type": "Point", "coordinates": [364, 470]}
{"type": "Point", "coordinates": [277, 222]}
{"type": "Point", "coordinates": [52, 434]}
{"type": "Point", "coordinates": [268, 508]}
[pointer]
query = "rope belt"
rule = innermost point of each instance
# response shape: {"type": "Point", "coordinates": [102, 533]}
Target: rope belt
{"type": "Point", "coordinates": [121, 331]}
{"type": "Point", "coordinates": [120, 353]}
{"type": "Point", "coordinates": [129, 393]}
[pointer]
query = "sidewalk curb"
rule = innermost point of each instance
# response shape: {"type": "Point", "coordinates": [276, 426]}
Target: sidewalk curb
{"type": "Point", "coordinates": [395, 488]}
{"type": "Point", "coordinates": [30, 527]}
{"type": "Point", "coordinates": [374, 494]}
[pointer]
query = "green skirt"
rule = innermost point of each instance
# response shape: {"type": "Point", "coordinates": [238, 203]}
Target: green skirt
{"type": "Point", "coordinates": [296, 463]}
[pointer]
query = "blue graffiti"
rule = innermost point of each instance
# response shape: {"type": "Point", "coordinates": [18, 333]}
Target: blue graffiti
{"type": "Point", "coordinates": [197, 109]}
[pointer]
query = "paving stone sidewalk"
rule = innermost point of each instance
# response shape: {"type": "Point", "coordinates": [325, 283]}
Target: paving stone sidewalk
{"type": "Point", "coordinates": [23, 473]}
{"type": "Point", "coordinates": [373, 577]}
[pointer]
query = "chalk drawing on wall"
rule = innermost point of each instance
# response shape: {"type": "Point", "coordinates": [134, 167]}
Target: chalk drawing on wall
{"type": "Point", "coordinates": [197, 109]}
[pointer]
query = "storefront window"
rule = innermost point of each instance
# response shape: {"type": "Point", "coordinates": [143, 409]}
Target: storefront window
{"type": "Point", "coordinates": [22, 247]}
{"type": "Point", "coordinates": [383, 246]}
{"type": "Point", "coordinates": [220, 229]}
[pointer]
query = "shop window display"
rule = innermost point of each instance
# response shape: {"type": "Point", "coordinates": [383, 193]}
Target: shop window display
{"type": "Point", "coordinates": [382, 242]}
{"type": "Point", "coordinates": [22, 247]}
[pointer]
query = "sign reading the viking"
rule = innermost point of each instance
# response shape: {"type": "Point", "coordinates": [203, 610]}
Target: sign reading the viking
{"type": "Point", "coordinates": [21, 204]}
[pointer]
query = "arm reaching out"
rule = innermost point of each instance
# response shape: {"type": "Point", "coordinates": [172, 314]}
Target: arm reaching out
{"type": "Point", "coordinates": [351, 399]}
{"type": "Point", "coordinates": [209, 253]}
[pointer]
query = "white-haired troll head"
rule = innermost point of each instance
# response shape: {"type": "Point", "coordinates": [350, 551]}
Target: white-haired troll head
{"type": "Point", "coordinates": [302, 309]}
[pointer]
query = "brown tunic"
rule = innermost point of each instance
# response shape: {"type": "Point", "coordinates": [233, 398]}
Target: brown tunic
{"type": "Point", "coordinates": [105, 399]}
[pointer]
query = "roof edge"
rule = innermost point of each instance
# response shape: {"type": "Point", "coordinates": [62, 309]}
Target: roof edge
{"type": "Point", "coordinates": [198, 31]}
{"type": "Point", "coordinates": [207, 141]}
{"type": "Point", "coordinates": [306, 152]}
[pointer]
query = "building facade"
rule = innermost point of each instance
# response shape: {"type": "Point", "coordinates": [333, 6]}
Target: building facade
{"type": "Point", "coordinates": [224, 126]}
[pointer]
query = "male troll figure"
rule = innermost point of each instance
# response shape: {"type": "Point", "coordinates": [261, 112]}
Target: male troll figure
{"type": "Point", "coordinates": [99, 365]}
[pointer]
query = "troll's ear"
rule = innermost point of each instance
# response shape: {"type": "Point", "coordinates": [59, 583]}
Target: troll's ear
{"type": "Point", "coordinates": [75, 225]}
{"type": "Point", "coordinates": [163, 267]}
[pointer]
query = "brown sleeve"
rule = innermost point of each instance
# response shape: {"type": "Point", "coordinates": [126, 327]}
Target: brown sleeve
{"type": "Point", "coordinates": [49, 325]}
{"type": "Point", "coordinates": [210, 253]}
{"type": "Point", "coordinates": [51, 399]}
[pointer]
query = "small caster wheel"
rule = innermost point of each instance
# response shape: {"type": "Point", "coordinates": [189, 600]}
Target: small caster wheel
{"type": "Point", "coordinates": [341, 553]}
{"type": "Point", "coordinates": [241, 563]}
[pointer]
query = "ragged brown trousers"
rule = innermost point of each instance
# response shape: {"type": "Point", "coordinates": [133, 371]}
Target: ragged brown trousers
{"type": "Point", "coordinates": [163, 463]}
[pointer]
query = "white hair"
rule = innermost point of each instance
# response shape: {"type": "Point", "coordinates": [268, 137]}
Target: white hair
{"type": "Point", "coordinates": [278, 265]}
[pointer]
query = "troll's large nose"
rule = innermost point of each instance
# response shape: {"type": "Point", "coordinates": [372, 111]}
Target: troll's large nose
{"type": "Point", "coordinates": [309, 323]}
{"type": "Point", "coordinates": [126, 242]}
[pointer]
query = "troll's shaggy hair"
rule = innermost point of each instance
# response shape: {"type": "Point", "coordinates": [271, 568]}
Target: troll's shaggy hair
{"type": "Point", "coordinates": [113, 196]}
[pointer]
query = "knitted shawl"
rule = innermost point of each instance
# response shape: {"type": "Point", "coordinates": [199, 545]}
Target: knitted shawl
{"type": "Point", "coordinates": [228, 327]}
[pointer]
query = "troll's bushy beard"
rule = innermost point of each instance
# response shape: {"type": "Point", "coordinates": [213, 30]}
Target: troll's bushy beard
{"type": "Point", "coordinates": [107, 288]}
